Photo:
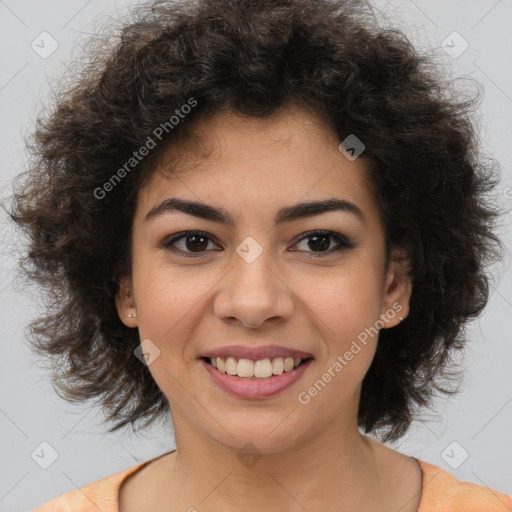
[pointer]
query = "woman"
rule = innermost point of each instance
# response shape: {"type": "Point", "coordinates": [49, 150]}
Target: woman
{"type": "Point", "coordinates": [266, 218]}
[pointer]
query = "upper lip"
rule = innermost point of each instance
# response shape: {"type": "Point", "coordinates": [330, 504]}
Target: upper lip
{"type": "Point", "coordinates": [255, 353]}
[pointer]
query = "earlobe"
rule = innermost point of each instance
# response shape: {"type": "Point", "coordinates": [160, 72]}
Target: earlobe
{"type": "Point", "coordinates": [397, 293]}
{"type": "Point", "coordinates": [125, 303]}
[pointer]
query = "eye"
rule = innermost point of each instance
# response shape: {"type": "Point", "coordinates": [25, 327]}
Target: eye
{"type": "Point", "coordinates": [194, 241]}
{"type": "Point", "coordinates": [320, 240]}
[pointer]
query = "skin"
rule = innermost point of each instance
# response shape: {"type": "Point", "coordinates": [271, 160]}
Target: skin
{"type": "Point", "coordinates": [311, 456]}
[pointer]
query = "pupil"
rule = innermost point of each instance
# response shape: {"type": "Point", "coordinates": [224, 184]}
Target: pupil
{"type": "Point", "coordinates": [194, 239]}
{"type": "Point", "coordinates": [325, 238]}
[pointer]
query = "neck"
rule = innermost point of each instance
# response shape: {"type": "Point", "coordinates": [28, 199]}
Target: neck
{"type": "Point", "coordinates": [334, 466]}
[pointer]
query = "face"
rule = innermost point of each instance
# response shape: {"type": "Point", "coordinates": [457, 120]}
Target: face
{"type": "Point", "coordinates": [267, 277]}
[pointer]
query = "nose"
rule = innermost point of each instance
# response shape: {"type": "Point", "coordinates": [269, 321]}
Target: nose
{"type": "Point", "coordinates": [254, 292]}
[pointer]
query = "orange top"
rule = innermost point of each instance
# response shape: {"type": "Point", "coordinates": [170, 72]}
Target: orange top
{"type": "Point", "coordinates": [441, 492]}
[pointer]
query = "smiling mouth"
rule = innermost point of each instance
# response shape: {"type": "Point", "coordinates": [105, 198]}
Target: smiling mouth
{"type": "Point", "coordinates": [255, 370]}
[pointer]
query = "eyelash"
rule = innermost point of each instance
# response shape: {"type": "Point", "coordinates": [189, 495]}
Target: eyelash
{"type": "Point", "coordinates": [343, 242]}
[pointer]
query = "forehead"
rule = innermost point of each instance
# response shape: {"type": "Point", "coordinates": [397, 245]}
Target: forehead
{"type": "Point", "coordinates": [242, 162]}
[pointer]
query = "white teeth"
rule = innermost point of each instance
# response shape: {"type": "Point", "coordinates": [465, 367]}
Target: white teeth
{"type": "Point", "coordinates": [231, 366]}
{"type": "Point", "coordinates": [245, 368]}
{"type": "Point", "coordinates": [263, 368]}
{"type": "Point", "coordinates": [288, 364]}
{"type": "Point", "coordinates": [277, 365]}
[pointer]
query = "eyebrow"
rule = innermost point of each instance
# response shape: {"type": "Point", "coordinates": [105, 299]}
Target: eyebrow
{"type": "Point", "coordinates": [285, 214]}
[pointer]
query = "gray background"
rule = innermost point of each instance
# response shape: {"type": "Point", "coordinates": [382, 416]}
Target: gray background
{"type": "Point", "coordinates": [478, 421]}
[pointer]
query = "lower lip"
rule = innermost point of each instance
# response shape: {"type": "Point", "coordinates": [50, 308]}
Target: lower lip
{"type": "Point", "coordinates": [256, 388]}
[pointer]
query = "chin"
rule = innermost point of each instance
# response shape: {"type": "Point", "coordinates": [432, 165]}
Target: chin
{"type": "Point", "coordinates": [258, 437]}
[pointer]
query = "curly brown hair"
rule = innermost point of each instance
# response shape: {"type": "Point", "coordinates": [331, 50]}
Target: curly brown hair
{"type": "Point", "coordinates": [254, 57]}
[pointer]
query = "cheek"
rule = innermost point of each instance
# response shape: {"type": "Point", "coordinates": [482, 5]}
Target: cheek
{"type": "Point", "coordinates": [347, 309]}
{"type": "Point", "coordinates": [347, 315]}
{"type": "Point", "coordinates": [171, 304]}
{"type": "Point", "coordinates": [170, 312]}
{"type": "Point", "coordinates": [167, 302]}
{"type": "Point", "coordinates": [346, 303]}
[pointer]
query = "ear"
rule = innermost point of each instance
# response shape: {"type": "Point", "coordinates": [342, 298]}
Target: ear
{"type": "Point", "coordinates": [397, 290]}
{"type": "Point", "coordinates": [125, 303]}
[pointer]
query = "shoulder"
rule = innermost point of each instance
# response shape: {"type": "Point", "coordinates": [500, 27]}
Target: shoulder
{"type": "Point", "coordinates": [100, 495]}
{"type": "Point", "coordinates": [443, 492]}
